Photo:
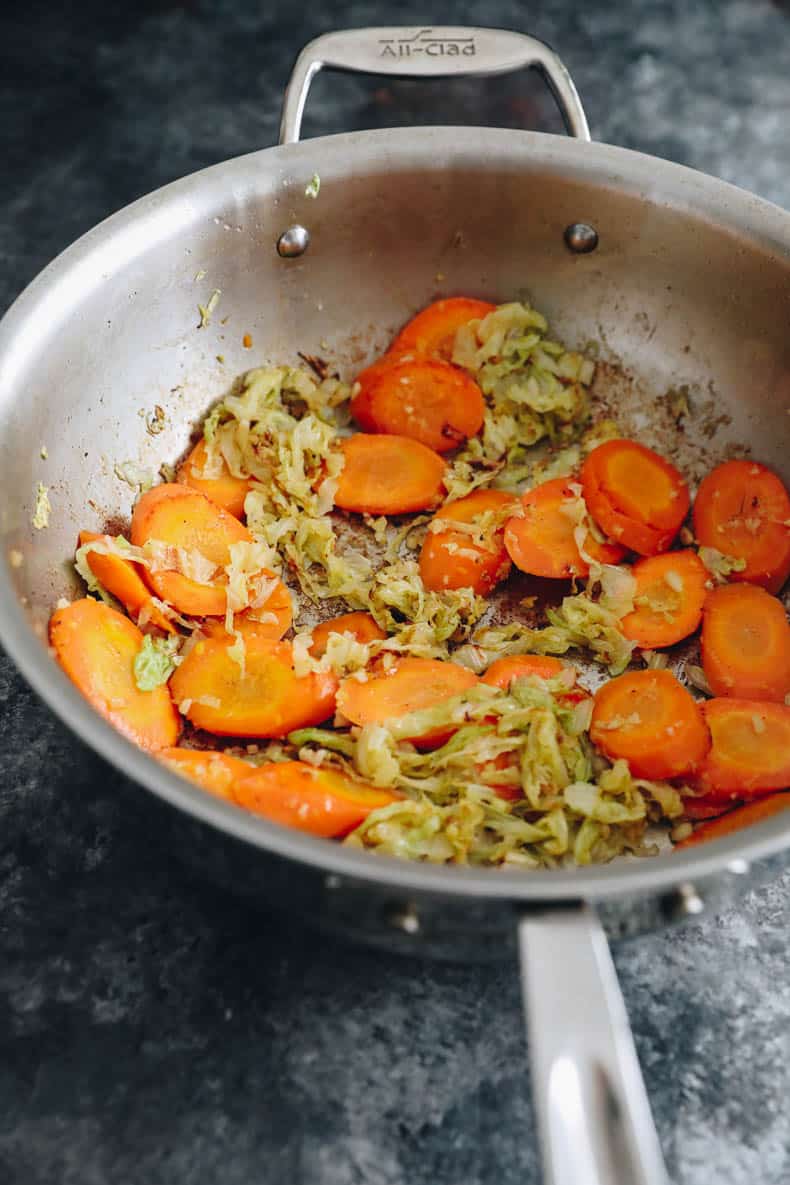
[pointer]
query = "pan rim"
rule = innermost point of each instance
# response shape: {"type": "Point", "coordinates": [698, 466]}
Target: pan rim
{"type": "Point", "coordinates": [741, 212]}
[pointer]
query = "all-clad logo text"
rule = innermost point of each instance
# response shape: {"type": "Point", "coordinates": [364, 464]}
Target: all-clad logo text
{"type": "Point", "coordinates": [426, 43]}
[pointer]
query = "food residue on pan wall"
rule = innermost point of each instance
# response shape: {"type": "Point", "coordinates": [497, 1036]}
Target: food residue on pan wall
{"type": "Point", "coordinates": [42, 508]}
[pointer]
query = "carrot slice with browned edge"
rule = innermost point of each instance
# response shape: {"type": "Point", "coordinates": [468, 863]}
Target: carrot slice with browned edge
{"type": "Point", "coordinates": [122, 578]}
{"type": "Point", "coordinates": [362, 626]}
{"type": "Point", "coordinates": [503, 671]}
{"type": "Point", "coordinates": [650, 720]}
{"type": "Point", "coordinates": [96, 647]}
{"type": "Point", "coordinates": [452, 558]}
{"type": "Point", "coordinates": [212, 771]}
{"type": "Point", "coordinates": [540, 537]}
{"type": "Point", "coordinates": [389, 475]}
{"type": "Point", "coordinates": [637, 497]}
{"type": "Point", "coordinates": [706, 806]}
{"type": "Point", "coordinates": [746, 643]}
{"type": "Point", "coordinates": [429, 401]}
{"type": "Point", "coordinates": [750, 748]}
{"type": "Point", "coordinates": [182, 518]}
{"type": "Point", "coordinates": [224, 490]}
{"type": "Point", "coordinates": [670, 592]}
{"type": "Point", "coordinates": [432, 331]}
{"type": "Point", "coordinates": [409, 685]}
{"type": "Point", "coordinates": [266, 699]}
{"type": "Point", "coordinates": [743, 510]}
{"type": "Point", "coordinates": [321, 801]}
{"type": "Point", "coordinates": [736, 820]}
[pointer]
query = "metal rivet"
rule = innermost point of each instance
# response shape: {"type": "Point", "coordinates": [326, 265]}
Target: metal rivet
{"type": "Point", "coordinates": [581, 238]}
{"type": "Point", "coordinates": [738, 866]}
{"type": "Point", "coordinates": [403, 917]}
{"type": "Point", "coordinates": [293, 242]}
{"type": "Point", "coordinates": [689, 901]}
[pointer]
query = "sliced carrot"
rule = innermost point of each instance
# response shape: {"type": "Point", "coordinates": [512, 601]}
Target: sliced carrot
{"type": "Point", "coordinates": [649, 719]}
{"type": "Point", "coordinates": [503, 671]}
{"type": "Point", "coordinates": [212, 771]}
{"type": "Point", "coordinates": [321, 801]}
{"type": "Point", "coordinates": [705, 806]}
{"type": "Point", "coordinates": [122, 578]}
{"type": "Point", "coordinates": [265, 700]}
{"type": "Point", "coordinates": [410, 685]}
{"type": "Point", "coordinates": [271, 621]}
{"type": "Point", "coordinates": [540, 538]}
{"type": "Point", "coordinates": [432, 332]}
{"type": "Point", "coordinates": [225, 490]}
{"type": "Point", "coordinates": [362, 626]}
{"type": "Point", "coordinates": [636, 496]}
{"type": "Point", "coordinates": [736, 820]}
{"type": "Point", "coordinates": [97, 646]}
{"type": "Point", "coordinates": [429, 401]}
{"type": "Point", "coordinates": [670, 592]}
{"type": "Point", "coordinates": [743, 510]}
{"type": "Point", "coordinates": [389, 475]}
{"type": "Point", "coordinates": [750, 748]}
{"type": "Point", "coordinates": [453, 559]}
{"type": "Point", "coordinates": [181, 517]}
{"type": "Point", "coordinates": [488, 771]}
{"type": "Point", "coordinates": [746, 643]}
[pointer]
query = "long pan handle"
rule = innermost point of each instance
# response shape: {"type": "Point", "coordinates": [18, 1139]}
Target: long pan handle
{"type": "Point", "coordinates": [428, 52]}
{"type": "Point", "coordinates": [593, 1112]}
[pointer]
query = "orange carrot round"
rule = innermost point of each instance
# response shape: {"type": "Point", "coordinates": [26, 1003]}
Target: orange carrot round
{"type": "Point", "coordinates": [225, 490]}
{"type": "Point", "coordinates": [540, 538]}
{"type": "Point", "coordinates": [122, 578]}
{"type": "Point", "coordinates": [743, 510]}
{"type": "Point", "coordinates": [636, 496]}
{"type": "Point", "coordinates": [409, 685]}
{"type": "Point", "coordinates": [321, 801]}
{"type": "Point", "coordinates": [265, 700]}
{"type": "Point", "coordinates": [453, 558]}
{"type": "Point", "coordinates": [746, 643]}
{"type": "Point", "coordinates": [750, 748]}
{"type": "Point", "coordinates": [736, 820]}
{"type": "Point", "coordinates": [96, 647]}
{"type": "Point", "coordinates": [429, 401]}
{"type": "Point", "coordinates": [362, 626]}
{"type": "Point", "coordinates": [670, 592]}
{"type": "Point", "coordinates": [432, 331]}
{"type": "Point", "coordinates": [272, 620]}
{"type": "Point", "coordinates": [503, 671]}
{"type": "Point", "coordinates": [705, 806]}
{"type": "Point", "coordinates": [181, 517]}
{"type": "Point", "coordinates": [649, 719]}
{"type": "Point", "coordinates": [212, 771]}
{"type": "Point", "coordinates": [389, 475]}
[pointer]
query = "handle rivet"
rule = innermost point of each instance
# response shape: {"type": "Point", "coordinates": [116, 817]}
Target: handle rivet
{"type": "Point", "coordinates": [689, 902]}
{"type": "Point", "coordinates": [403, 917]}
{"type": "Point", "coordinates": [293, 242]}
{"type": "Point", "coordinates": [580, 238]}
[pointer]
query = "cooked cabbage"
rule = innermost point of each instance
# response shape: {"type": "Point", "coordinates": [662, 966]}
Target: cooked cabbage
{"type": "Point", "coordinates": [155, 661]}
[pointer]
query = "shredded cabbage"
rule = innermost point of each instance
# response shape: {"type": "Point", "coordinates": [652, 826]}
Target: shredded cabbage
{"type": "Point", "coordinates": [155, 661]}
{"type": "Point", "coordinates": [719, 565]}
{"type": "Point", "coordinates": [570, 805]}
{"type": "Point", "coordinates": [534, 389]}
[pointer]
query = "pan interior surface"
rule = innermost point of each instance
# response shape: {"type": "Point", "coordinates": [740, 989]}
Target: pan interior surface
{"type": "Point", "coordinates": [685, 296]}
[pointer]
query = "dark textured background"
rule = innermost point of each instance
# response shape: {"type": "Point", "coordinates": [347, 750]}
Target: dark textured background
{"type": "Point", "coordinates": [154, 1032]}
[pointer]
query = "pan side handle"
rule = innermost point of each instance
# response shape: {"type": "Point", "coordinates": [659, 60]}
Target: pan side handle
{"type": "Point", "coordinates": [593, 1112]}
{"type": "Point", "coordinates": [428, 52]}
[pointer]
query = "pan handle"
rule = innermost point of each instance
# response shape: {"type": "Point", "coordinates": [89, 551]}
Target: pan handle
{"type": "Point", "coordinates": [593, 1112]}
{"type": "Point", "coordinates": [430, 52]}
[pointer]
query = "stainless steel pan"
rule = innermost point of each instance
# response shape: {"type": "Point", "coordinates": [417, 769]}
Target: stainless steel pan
{"type": "Point", "coordinates": [683, 277]}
